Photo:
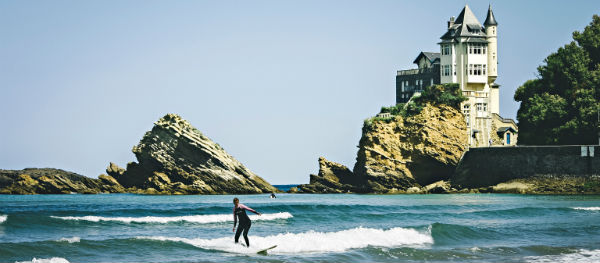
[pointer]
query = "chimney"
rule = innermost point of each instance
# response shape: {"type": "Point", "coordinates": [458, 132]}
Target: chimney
{"type": "Point", "coordinates": [451, 22]}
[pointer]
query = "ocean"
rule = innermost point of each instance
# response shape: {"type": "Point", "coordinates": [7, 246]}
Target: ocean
{"type": "Point", "coordinates": [305, 228]}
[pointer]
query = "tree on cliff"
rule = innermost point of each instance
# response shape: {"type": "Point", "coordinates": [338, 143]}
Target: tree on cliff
{"type": "Point", "coordinates": [562, 105]}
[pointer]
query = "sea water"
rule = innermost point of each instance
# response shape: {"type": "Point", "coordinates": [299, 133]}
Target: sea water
{"type": "Point", "coordinates": [305, 228]}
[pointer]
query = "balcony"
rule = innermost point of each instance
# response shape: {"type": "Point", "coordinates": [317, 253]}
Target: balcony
{"type": "Point", "coordinates": [476, 94]}
{"type": "Point", "coordinates": [415, 71]}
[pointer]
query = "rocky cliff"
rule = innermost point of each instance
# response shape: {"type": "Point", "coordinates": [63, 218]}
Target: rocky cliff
{"type": "Point", "coordinates": [399, 153]}
{"type": "Point", "coordinates": [176, 158]}
{"type": "Point", "coordinates": [402, 152]}
{"type": "Point", "coordinates": [54, 181]}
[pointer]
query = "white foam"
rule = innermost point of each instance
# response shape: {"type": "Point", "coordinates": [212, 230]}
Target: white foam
{"type": "Point", "coordinates": [70, 239]}
{"type": "Point", "coordinates": [313, 242]}
{"type": "Point", "coordinates": [581, 256]}
{"type": "Point", "coordinates": [593, 208]}
{"type": "Point", "coordinates": [45, 260]}
{"type": "Point", "coordinates": [3, 218]}
{"type": "Point", "coordinates": [202, 219]}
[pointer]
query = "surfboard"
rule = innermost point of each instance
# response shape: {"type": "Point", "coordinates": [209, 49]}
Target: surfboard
{"type": "Point", "coordinates": [264, 251]}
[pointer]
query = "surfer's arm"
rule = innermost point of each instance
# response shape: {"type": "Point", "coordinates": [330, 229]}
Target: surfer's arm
{"type": "Point", "coordinates": [249, 209]}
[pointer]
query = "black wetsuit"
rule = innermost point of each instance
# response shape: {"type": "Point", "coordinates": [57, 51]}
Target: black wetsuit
{"type": "Point", "coordinates": [245, 223]}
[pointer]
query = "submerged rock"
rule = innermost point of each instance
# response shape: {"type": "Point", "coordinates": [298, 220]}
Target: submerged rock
{"type": "Point", "coordinates": [175, 157]}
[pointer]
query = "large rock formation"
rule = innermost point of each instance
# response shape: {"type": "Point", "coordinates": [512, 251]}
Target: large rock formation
{"type": "Point", "coordinates": [402, 152]}
{"type": "Point", "coordinates": [332, 178]}
{"type": "Point", "coordinates": [54, 181]}
{"type": "Point", "coordinates": [176, 158]}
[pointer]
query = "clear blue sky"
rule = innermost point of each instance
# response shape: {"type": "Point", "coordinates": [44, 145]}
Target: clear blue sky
{"type": "Point", "coordinates": [276, 83]}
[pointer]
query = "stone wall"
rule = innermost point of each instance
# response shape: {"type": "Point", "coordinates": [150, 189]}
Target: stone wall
{"type": "Point", "coordinates": [487, 166]}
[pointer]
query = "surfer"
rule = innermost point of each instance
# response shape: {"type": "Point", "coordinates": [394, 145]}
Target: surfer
{"type": "Point", "coordinates": [239, 212]}
{"type": "Point", "coordinates": [273, 195]}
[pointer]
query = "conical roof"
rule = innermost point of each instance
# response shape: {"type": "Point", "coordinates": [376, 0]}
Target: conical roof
{"type": "Point", "coordinates": [465, 25]}
{"type": "Point", "coordinates": [490, 20]}
{"type": "Point", "coordinates": [467, 17]}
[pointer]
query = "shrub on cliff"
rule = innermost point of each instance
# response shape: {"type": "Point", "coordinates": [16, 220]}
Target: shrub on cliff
{"type": "Point", "coordinates": [562, 105]}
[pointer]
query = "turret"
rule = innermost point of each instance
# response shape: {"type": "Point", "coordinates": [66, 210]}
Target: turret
{"type": "Point", "coordinates": [492, 39]}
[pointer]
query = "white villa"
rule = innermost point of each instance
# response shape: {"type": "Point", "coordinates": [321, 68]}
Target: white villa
{"type": "Point", "coordinates": [469, 57]}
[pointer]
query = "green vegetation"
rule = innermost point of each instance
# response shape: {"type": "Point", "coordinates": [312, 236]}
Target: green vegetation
{"type": "Point", "coordinates": [562, 105]}
{"type": "Point", "coordinates": [448, 94]}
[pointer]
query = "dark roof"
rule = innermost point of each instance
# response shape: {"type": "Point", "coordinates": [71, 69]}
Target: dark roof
{"type": "Point", "coordinates": [431, 56]}
{"type": "Point", "coordinates": [465, 25]}
{"type": "Point", "coordinates": [502, 130]}
{"type": "Point", "coordinates": [490, 20]}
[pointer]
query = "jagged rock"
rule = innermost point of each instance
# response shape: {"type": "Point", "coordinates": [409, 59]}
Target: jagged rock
{"type": "Point", "coordinates": [192, 163]}
{"type": "Point", "coordinates": [114, 170]}
{"type": "Point", "coordinates": [332, 178]}
{"type": "Point", "coordinates": [54, 181]}
{"type": "Point", "coordinates": [439, 187]}
{"type": "Point", "coordinates": [411, 151]}
{"type": "Point", "coordinates": [413, 190]}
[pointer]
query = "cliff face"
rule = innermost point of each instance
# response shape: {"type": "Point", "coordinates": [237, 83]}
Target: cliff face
{"type": "Point", "coordinates": [399, 154]}
{"type": "Point", "coordinates": [54, 181]}
{"type": "Point", "coordinates": [175, 157]}
{"type": "Point", "coordinates": [406, 151]}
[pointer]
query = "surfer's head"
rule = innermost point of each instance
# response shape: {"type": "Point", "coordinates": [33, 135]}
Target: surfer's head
{"type": "Point", "coordinates": [236, 201]}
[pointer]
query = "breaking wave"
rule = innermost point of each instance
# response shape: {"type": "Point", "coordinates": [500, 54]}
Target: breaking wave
{"type": "Point", "coordinates": [312, 241]}
{"type": "Point", "coordinates": [581, 256]}
{"type": "Point", "coordinates": [3, 218]}
{"type": "Point", "coordinates": [202, 219]}
{"type": "Point", "coordinates": [593, 208]}
{"type": "Point", "coordinates": [45, 260]}
{"type": "Point", "coordinates": [70, 239]}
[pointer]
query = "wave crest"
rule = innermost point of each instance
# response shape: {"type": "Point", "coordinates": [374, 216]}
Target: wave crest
{"type": "Point", "coordinates": [312, 241]}
{"type": "Point", "coordinates": [3, 218]}
{"type": "Point", "coordinates": [581, 256]}
{"type": "Point", "coordinates": [46, 260]}
{"type": "Point", "coordinates": [70, 239]}
{"type": "Point", "coordinates": [202, 219]}
{"type": "Point", "coordinates": [593, 208]}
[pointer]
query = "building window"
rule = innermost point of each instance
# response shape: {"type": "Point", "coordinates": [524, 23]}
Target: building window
{"type": "Point", "coordinates": [477, 69]}
{"type": "Point", "coordinates": [467, 113]}
{"type": "Point", "coordinates": [446, 49]}
{"type": "Point", "coordinates": [481, 107]}
{"type": "Point", "coordinates": [477, 48]}
{"type": "Point", "coordinates": [454, 69]}
{"type": "Point", "coordinates": [446, 70]}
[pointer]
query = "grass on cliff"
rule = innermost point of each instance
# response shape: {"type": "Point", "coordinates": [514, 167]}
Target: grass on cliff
{"type": "Point", "coordinates": [447, 94]}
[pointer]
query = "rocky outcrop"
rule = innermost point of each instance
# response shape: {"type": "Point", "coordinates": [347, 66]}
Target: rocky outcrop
{"type": "Point", "coordinates": [54, 181]}
{"type": "Point", "coordinates": [403, 152]}
{"type": "Point", "coordinates": [176, 158]}
{"type": "Point", "coordinates": [399, 155]}
{"type": "Point", "coordinates": [332, 178]}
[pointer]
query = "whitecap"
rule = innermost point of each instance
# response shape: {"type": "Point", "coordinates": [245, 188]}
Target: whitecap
{"type": "Point", "coordinates": [45, 260]}
{"type": "Point", "coordinates": [202, 219]}
{"type": "Point", "coordinates": [3, 218]}
{"type": "Point", "coordinates": [592, 208]}
{"type": "Point", "coordinates": [312, 241]}
{"type": "Point", "coordinates": [70, 239]}
{"type": "Point", "coordinates": [580, 256]}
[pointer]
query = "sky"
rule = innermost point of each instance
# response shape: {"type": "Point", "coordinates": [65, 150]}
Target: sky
{"type": "Point", "coordinates": [276, 83]}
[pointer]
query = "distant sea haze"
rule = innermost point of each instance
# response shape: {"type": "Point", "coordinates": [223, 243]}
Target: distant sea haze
{"type": "Point", "coordinates": [305, 227]}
